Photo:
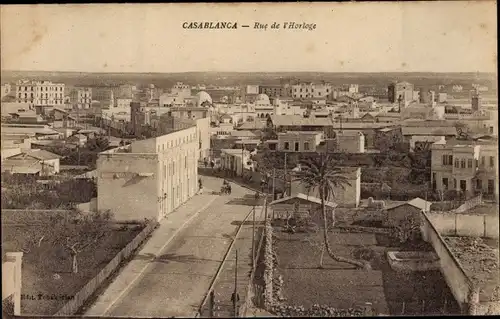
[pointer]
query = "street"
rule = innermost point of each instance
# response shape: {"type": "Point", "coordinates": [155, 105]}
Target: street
{"type": "Point", "coordinates": [178, 278]}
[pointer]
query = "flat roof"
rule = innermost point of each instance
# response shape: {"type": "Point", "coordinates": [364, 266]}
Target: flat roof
{"type": "Point", "coordinates": [479, 258]}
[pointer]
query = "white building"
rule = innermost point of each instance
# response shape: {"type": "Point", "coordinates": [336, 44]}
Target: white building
{"type": "Point", "coordinates": [311, 90]}
{"type": "Point", "coordinates": [263, 106]}
{"type": "Point", "coordinates": [181, 90]}
{"type": "Point", "coordinates": [81, 97]}
{"type": "Point", "coordinates": [149, 178]}
{"type": "Point", "coordinates": [40, 92]}
{"type": "Point", "coordinates": [6, 89]}
{"type": "Point", "coordinates": [123, 103]}
{"type": "Point", "coordinates": [467, 166]}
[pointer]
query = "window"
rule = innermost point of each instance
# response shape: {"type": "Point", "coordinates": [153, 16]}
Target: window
{"type": "Point", "coordinates": [296, 146]}
{"type": "Point", "coordinates": [469, 163]}
{"type": "Point", "coordinates": [447, 159]}
{"type": "Point", "coordinates": [287, 146]}
{"type": "Point", "coordinates": [492, 161]}
{"type": "Point", "coordinates": [478, 184]}
{"type": "Point", "coordinates": [457, 163]}
{"type": "Point", "coordinates": [462, 163]}
{"type": "Point", "coordinates": [306, 146]}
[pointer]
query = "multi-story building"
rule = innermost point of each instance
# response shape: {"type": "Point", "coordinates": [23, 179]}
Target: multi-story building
{"type": "Point", "coordinates": [400, 91]}
{"type": "Point", "coordinates": [311, 90]}
{"type": "Point", "coordinates": [40, 92]}
{"type": "Point", "coordinates": [275, 91]}
{"type": "Point", "coordinates": [6, 88]}
{"type": "Point", "coordinates": [81, 98]}
{"type": "Point", "coordinates": [467, 166]}
{"type": "Point", "coordinates": [149, 178]}
{"type": "Point", "coordinates": [123, 103]}
{"type": "Point", "coordinates": [125, 91]}
{"type": "Point", "coordinates": [105, 96]}
{"type": "Point", "coordinates": [181, 90]}
{"type": "Point", "coordinates": [346, 142]}
{"type": "Point", "coordinates": [297, 141]}
{"type": "Point", "coordinates": [353, 88]}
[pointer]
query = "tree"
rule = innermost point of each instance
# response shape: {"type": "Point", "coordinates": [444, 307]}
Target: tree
{"type": "Point", "coordinates": [320, 173]}
{"type": "Point", "coordinates": [407, 230]}
{"type": "Point", "coordinates": [80, 233]}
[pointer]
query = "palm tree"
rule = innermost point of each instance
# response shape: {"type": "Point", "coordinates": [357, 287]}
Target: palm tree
{"type": "Point", "coordinates": [318, 173]}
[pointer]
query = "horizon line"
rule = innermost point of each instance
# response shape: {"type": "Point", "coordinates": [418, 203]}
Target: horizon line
{"type": "Point", "coordinates": [249, 72]}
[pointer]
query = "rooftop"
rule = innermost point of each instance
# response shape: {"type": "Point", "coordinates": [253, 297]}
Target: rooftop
{"type": "Point", "coordinates": [27, 130]}
{"type": "Point", "coordinates": [39, 154]}
{"type": "Point", "coordinates": [299, 133]}
{"type": "Point", "coordinates": [304, 197]}
{"type": "Point", "coordinates": [423, 130]}
{"type": "Point", "coordinates": [416, 202]}
{"type": "Point", "coordinates": [479, 259]}
{"type": "Point", "coordinates": [243, 133]}
{"type": "Point", "coordinates": [255, 125]}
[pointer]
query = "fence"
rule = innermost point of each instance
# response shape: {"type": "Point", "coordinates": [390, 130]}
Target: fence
{"type": "Point", "coordinates": [72, 306]}
{"type": "Point", "coordinates": [203, 305]}
{"type": "Point", "coordinates": [471, 203]}
{"type": "Point", "coordinates": [456, 278]}
{"type": "Point", "coordinates": [451, 224]}
{"type": "Point", "coordinates": [250, 289]}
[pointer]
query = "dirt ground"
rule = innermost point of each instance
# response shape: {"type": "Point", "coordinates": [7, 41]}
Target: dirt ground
{"type": "Point", "coordinates": [47, 270]}
{"type": "Point", "coordinates": [340, 285]}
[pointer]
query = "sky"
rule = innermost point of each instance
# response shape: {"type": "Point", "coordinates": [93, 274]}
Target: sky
{"type": "Point", "coordinates": [349, 37]}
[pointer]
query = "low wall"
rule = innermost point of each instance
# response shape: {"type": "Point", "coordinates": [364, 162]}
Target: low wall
{"type": "Point", "coordinates": [72, 306]}
{"type": "Point", "coordinates": [269, 266]}
{"type": "Point", "coordinates": [410, 261]}
{"type": "Point", "coordinates": [250, 288]}
{"type": "Point", "coordinates": [455, 276]}
{"type": "Point", "coordinates": [471, 203]}
{"type": "Point", "coordinates": [451, 224]}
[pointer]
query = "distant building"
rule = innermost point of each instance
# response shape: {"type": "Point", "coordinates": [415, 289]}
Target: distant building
{"type": "Point", "coordinates": [442, 97]}
{"type": "Point", "coordinates": [181, 90]}
{"type": "Point", "coordinates": [353, 88]}
{"type": "Point", "coordinates": [400, 91]}
{"type": "Point", "coordinates": [298, 141]}
{"type": "Point", "coordinates": [274, 91]}
{"type": "Point", "coordinates": [263, 106]}
{"type": "Point", "coordinates": [5, 90]}
{"type": "Point", "coordinates": [475, 100]}
{"type": "Point", "coordinates": [311, 90]}
{"type": "Point", "coordinates": [105, 96]}
{"type": "Point", "coordinates": [40, 92]}
{"type": "Point", "coordinates": [346, 142]}
{"type": "Point", "coordinates": [32, 162]}
{"type": "Point", "coordinates": [81, 98]}
{"type": "Point", "coordinates": [123, 103]}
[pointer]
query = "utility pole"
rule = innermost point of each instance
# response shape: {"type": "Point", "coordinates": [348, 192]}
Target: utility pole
{"type": "Point", "coordinates": [242, 156]}
{"type": "Point", "coordinates": [274, 178]}
{"type": "Point", "coordinates": [235, 293]}
{"type": "Point", "coordinates": [253, 238]}
{"type": "Point", "coordinates": [285, 177]}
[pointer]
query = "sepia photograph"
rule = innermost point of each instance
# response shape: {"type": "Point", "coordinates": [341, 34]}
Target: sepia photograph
{"type": "Point", "coordinates": [224, 160]}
